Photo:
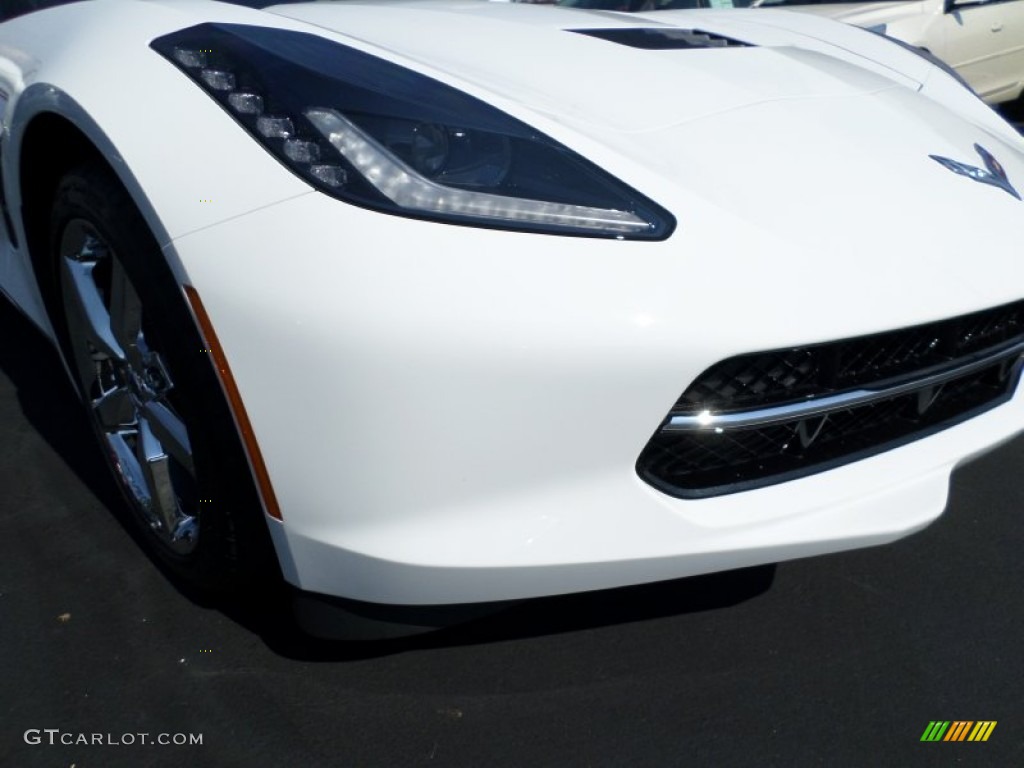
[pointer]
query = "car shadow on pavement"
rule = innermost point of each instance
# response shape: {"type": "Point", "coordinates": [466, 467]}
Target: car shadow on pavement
{"type": "Point", "coordinates": [48, 403]}
{"type": "Point", "coordinates": [271, 620]}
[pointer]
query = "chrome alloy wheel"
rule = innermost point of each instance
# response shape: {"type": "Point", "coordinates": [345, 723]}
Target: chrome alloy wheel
{"type": "Point", "coordinates": [128, 388]}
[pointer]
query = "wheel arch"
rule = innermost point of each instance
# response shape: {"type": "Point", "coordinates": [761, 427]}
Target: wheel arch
{"type": "Point", "coordinates": [51, 145]}
{"type": "Point", "coordinates": [53, 134]}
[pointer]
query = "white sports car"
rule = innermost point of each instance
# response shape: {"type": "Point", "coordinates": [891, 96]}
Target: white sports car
{"type": "Point", "coordinates": [434, 304]}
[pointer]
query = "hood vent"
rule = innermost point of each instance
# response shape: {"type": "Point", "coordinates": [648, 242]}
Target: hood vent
{"type": "Point", "coordinates": [663, 38]}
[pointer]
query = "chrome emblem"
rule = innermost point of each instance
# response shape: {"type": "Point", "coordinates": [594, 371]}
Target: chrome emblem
{"type": "Point", "coordinates": [992, 173]}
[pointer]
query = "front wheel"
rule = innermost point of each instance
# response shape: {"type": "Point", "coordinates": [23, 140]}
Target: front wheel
{"type": "Point", "coordinates": [153, 398]}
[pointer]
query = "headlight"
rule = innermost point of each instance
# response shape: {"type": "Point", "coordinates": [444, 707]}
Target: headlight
{"type": "Point", "coordinates": [378, 135]}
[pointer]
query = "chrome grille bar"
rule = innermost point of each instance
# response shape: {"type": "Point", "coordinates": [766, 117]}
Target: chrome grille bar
{"type": "Point", "coordinates": [707, 420]}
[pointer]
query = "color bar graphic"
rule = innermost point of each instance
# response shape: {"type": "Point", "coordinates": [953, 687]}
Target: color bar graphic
{"type": "Point", "coordinates": [958, 730]}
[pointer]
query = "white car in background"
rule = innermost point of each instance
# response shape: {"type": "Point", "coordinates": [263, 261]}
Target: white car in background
{"type": "Point", "coordinates": [982, 41]}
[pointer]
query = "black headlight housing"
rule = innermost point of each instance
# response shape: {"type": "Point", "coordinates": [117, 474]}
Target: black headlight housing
{"type": "Point", "coordinates": [381, 136]}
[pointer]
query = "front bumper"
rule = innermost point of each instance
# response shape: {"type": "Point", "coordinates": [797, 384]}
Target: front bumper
{"type": "Point", "coordinates": [454, 415]}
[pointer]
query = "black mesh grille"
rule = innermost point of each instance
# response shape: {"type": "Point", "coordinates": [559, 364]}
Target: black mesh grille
{"type": "Point", "coordinates": [710, 462]}
{"type": "Point", "coordinates": [783, 376]}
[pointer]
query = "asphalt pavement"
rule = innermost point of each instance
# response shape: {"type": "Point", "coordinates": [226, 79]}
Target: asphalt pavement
{"type": "Point", "coordinates": [841, 660]}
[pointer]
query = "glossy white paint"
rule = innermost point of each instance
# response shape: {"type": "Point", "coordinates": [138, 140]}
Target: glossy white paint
{"type": "Point", "coordinates": [453, 414]}
{"type": "Point", "coordinates": [983, 41]}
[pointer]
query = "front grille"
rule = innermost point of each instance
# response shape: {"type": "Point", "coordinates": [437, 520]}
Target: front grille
{"type": "Point", "coordinates": [763, 418]}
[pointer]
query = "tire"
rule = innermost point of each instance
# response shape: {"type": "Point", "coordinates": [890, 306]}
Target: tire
{"type": "Point", "coordinates": [153, 398]}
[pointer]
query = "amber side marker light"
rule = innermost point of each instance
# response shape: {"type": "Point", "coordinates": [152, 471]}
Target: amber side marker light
{"type": "Point", "coordinates": [220, 362]}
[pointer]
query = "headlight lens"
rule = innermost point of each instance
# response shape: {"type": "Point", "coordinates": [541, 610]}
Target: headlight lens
{"type": "Point", "coordinates": [375, 134]}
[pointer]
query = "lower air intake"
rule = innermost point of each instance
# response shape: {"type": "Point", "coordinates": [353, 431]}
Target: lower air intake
{"type": "Point", "coordinates": [765, 418]}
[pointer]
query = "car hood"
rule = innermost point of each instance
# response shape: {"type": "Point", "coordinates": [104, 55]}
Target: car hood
{"type": "Point", "coordinates": [812, 146]}
{"type": "Point", "coordinates": [545, 62]}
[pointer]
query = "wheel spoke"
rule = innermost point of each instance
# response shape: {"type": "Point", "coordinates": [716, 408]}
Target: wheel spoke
{"type": "Point", "coordinates": [114, 409]}
{"type": "Point", "coordinates": [128, 466]}
{"type": "Point", "coordinates": [170, 430]}
{"type": "Point", "coordinates": [85, 299]}
{"type": "Point", "coordinates": [155, 465]}
{"type": "Point", "coordinates": [125, 312]}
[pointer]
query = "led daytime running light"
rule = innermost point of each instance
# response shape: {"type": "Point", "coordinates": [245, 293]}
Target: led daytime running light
{"type": "Point", "coordinates": [405, 187]}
